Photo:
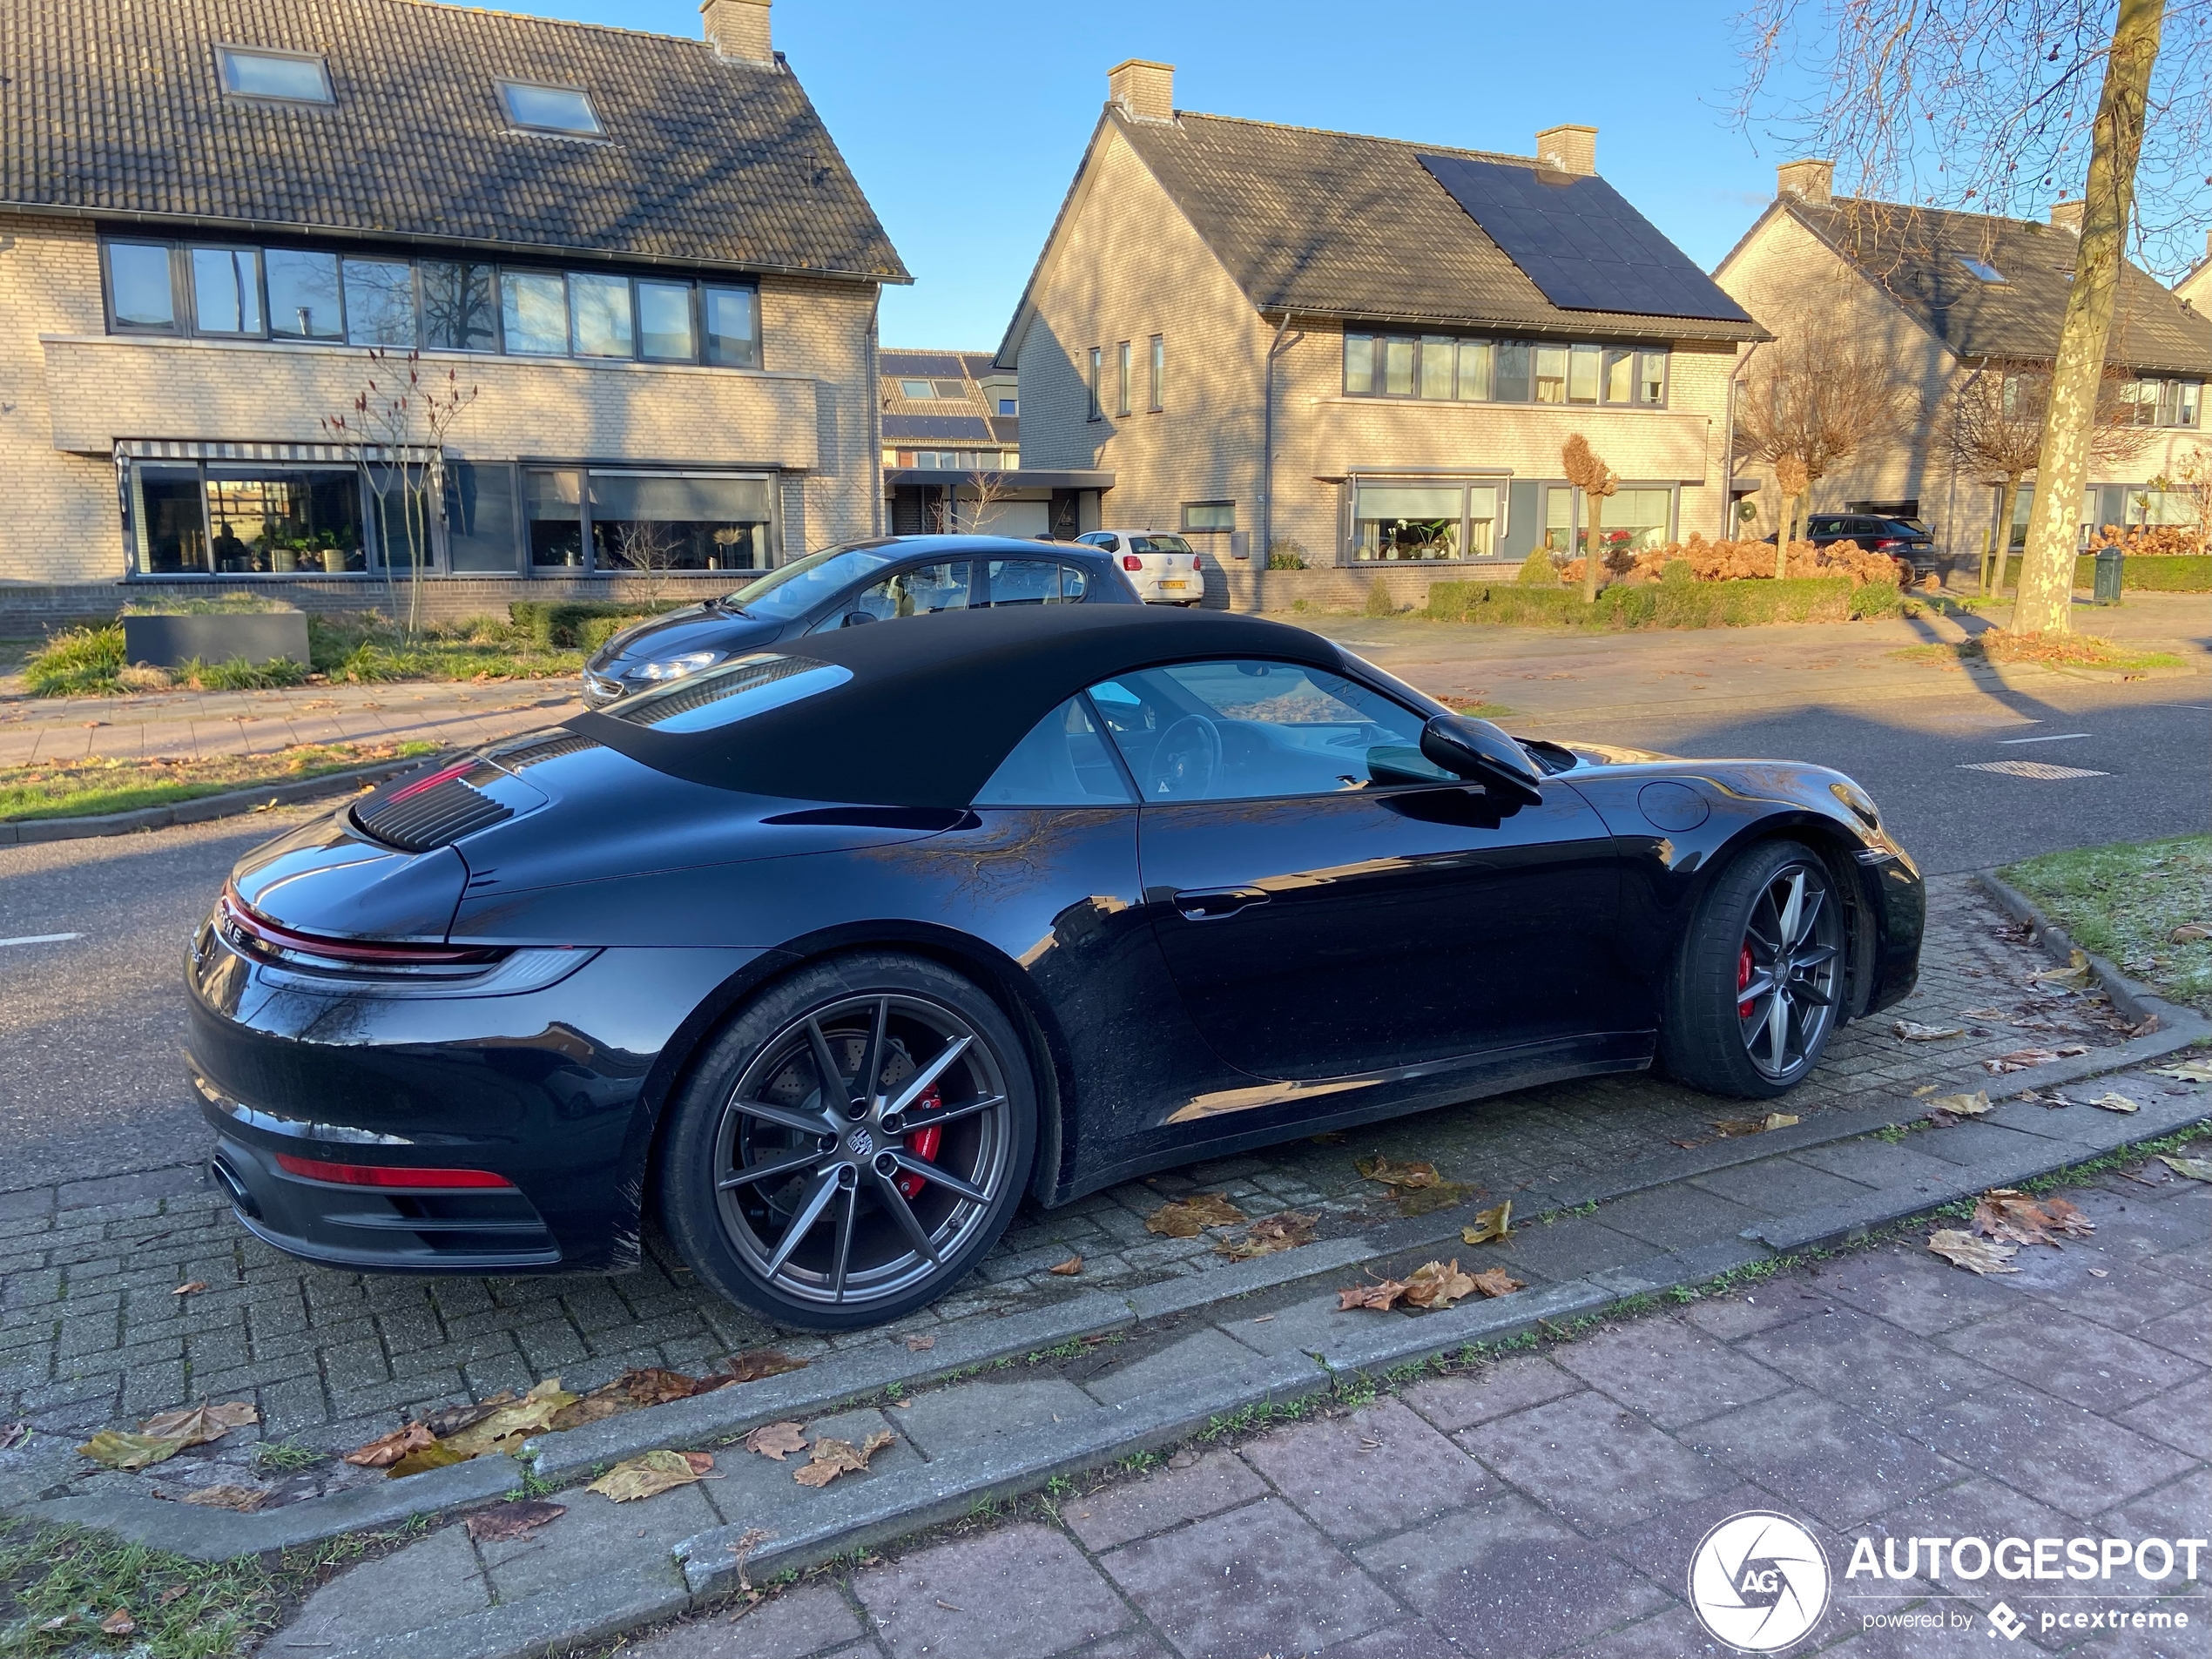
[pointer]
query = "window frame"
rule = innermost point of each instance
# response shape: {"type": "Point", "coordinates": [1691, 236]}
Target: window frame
{"type": "Point", "coordinates": [179, 323]}
{"type": "Point", "coordinates": [1499, 483]}
{"type": "Point", "coordinates": [1482, 355]}
{"type": "Point", "coordinates": [225, 83]}
{"type": "Point", "coordinates": [1189, 529]}
{"type": "Point", "coordinates": [1155, 359]}
{"type": "Point", "coordinates": [1097, 373]}
{"type": "Point", "coordinates": [1121, 380]}
{"type": "Point", "coordinates": [192, 288]}
{"type": "Point", "coordinates": [504, 84]}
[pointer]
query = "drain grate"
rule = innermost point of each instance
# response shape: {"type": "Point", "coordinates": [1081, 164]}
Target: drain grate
{"type": "Point", "coordinates": [2031, 769]}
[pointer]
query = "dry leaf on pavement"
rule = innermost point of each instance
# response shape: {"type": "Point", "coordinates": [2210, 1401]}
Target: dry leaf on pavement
{"type": "Point", "coordinates": [120, 1622]}
{"type": "Point", "coordinates": [777, 1440]}
{"type": "Point", "coordinates": [532, 1414]}
{"type": "Point", "coordinates": [832, 1457]}
{"type": "Point", "coordinates": [2190, 1071]}
{"type": "Point", "coordinates": [386, 1450]}
{"type": "Point", "coordinates": [2076, 971]}
{"type": "Point", "coordinates": [451, 1419]}
{"type": "Point", "coordinates": [1435, 1286]}
{"type": "Point", "coordinates": [2009, 1215]}
{"type": "Point", "coordinates": [1494, 1222]}
{"type": "Point", "coordinates": [1398, 1175]}
{"type": "Point", "coordinates": [1495, 1281]}
{"type": "Point", "coordinates": [651, 1474]}
{"type": "Point", "coordinates": [1416, 1187]}
{"type": "Point", "coordinates": [1264, 1238]}
{"type": "Point", "coordinates": [631, 1391]}
{"type": "Point", "coordinates": [225, 1495]}
{"type": "Point", "coordinates": [120, 1449]}
{"type": "Point", "coordinates": [436, 1455]}
{"type": "Point", "coordinates": [1971, 1105]}
{"type": "Point", "coordinates": [1068, 1269]}
{"type": "Point", "coordinates": [921, 1344]}
{"type": "Point", "coordinates": [1913, 1031]}
{"type": "Point", "coordinates": [189, 1287]}
{"type": "Point", "coordinates": [198, 1425]}
{"type": "Point", "coordinates": [2195, 1169]}
{"type": "Point", "coordinates": [1729, 1128]}
{"type": "Point", "coordinates": [751, 1366]}
{"type": "Point", "coordinates": [13, 1435]}
{"type": "Point", "coordinates": [1976, 1255]}
{"type": "Point", "coordinates": [2115, 1103]}
{"type": "Point", "coordinates": [2189, 930]}
{"type": "Point", "coordinates": [497, 1523]}
{"type": "Point", "coordinates": [1187, 1218]}
{"type": "Point", "coordinates": [1382, 1295]}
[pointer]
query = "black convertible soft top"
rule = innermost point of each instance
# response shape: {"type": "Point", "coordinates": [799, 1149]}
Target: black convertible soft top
{"type": "Point", "coordinates": [933, 703]}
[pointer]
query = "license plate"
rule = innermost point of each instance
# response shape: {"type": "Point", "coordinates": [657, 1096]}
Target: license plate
{"type": "Point", "coordinates": [1178, 583]}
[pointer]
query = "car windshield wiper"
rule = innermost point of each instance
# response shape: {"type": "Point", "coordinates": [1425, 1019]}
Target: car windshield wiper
{"type": "Point", "coordinates": [723, 604]}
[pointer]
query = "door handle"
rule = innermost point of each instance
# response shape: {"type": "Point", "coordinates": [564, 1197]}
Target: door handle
{"type": "Point", "coordinates": [1217, 904]}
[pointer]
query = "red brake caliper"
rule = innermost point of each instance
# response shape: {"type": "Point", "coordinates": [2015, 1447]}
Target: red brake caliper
{"type": "Point", "coordinates": [923, 1142]}
{"type": "Point", "coordinates": [1743, 978]}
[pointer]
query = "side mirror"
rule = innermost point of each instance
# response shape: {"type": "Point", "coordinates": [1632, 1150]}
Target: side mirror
{"type": "Point", "coordinates": [855, 618]}
{"type": "Point", "coordinates": [1482, 753]}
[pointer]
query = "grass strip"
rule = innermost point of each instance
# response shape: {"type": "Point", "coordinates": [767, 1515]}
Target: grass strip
{"type": "Point", "coordinates": [2048, 650]}
{"type": "Point", "coordinates": [2144, 905]}
{"type": "Point", "coordinates": [91, 787]}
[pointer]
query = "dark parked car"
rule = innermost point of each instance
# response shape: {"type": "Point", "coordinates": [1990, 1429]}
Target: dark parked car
{"type": "Point", "coordinates": [1906, 540]}
{"type": "Point", "coordinates": [842, 587]}
{"type": "Point", "coordinates": [828, 957]}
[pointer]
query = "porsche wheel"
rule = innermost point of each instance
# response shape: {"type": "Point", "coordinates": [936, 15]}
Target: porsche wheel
{"type": "Point", "coordinates": [852, 1144]}
{"type": "Point", "coordinates": [1760, 979]}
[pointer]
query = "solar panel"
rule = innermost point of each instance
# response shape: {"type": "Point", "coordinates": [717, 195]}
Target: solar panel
{"type": "Point", "coordinates": [1581, 243]}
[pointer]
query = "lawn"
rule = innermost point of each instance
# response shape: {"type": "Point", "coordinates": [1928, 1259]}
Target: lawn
{"type": "Point", "coordinates": [2128, 903]}
{"type": "Point", "coordinates": [86, 788]}
{"type": "Point", "coordinates": [2062, 651]}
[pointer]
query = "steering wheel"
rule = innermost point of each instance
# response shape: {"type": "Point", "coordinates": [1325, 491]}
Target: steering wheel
{"type": "Point", "coordinates": [1185, 762]}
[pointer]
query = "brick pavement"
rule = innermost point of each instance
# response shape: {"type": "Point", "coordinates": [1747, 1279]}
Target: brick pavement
{"type": "Point", "coordinates": [1549, 1501]}
{"type": "Point", "coordinates": [91, 1335]}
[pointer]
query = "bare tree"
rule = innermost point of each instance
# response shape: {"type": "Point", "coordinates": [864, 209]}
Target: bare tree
{"type": "Point", "coordinates": [1817, 396]}
{"type": "Point", "coordinates": [1596, 481]}
{"type": "Point", "coordinates": [989, 490]}
{"type": "Point", "coordinates": [1991, 421]}
{"type": "Point", "coordinates": [1995, 106]}
{"type": "Point", "coordinates": [651, 548]}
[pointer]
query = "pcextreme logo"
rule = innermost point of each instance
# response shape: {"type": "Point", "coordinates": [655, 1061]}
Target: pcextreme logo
{"type": "Point", "coordinates": [1759, 1582]}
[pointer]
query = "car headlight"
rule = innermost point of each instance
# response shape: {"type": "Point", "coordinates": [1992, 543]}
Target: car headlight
{"type": "Point", "coordinates": [674, 668]}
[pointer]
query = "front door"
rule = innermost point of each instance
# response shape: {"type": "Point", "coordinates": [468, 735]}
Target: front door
{"type": "Point", "coordinates": [1328, 902]}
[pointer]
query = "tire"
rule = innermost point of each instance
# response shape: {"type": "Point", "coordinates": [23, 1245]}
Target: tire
{"type": "Point", "coordinates": [1716, 1039]}
{"type": "Point", "coordinates": [891, 1209]}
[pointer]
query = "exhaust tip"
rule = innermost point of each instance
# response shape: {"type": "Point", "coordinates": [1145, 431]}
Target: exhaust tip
{"type": "Point", "coordinates": [220, 1171]}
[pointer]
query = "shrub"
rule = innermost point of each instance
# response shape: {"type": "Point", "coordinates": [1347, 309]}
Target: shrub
{"type": "Point", "coordinates": [558, 624]}
{"type": "Point", "coordinates": [597, 630]}
{"type": "Point", "coordinates": [1284, 554]}
{"type": "Point", "coordinates": [78, 662]}
{"type": "Point", "coordinates": [1378, 600]}
{"type": "Point", "coordinates": [239, 675]}
{"type": "Point", "coordinates": [1675, 603]}
{"type": "Point", "coordinates": [1536, 570]}
{"type": "Point", "coordinates": [219, 604]}
{"type": "Point", "coordinates": [1743, 561]}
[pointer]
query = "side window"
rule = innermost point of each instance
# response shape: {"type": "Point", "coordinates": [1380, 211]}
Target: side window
{"type": "Point", "coordinates": [1102, 538]}
{"type": "Point", "coordinates": [1075, 583]}
{"type": "Point", "coordinates": [1027, 582]}
{"type": "Point", "coordinates": [1063, 762]}
{"type": "Point", "coordinates": [1239, 730]}
{"type": "Point", "coordinates": [910, 593]}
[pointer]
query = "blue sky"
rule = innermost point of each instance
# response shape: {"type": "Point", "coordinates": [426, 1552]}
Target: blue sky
{"type": "Point", "coordinates": [964, 125]}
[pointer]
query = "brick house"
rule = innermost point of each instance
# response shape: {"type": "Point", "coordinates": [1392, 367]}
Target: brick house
{"type": "Point", "coordinates": [645, 252]}
{"type": "Point", "coordinates": [1361, 353]}
{"type": "Point", "coordinates": [1952, 295]}
{"type": "Point", "coordinates": [2196, 289]}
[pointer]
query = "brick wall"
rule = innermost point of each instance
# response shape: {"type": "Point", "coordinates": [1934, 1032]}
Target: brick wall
{"type": "Point", "coordinates": [62, 522]}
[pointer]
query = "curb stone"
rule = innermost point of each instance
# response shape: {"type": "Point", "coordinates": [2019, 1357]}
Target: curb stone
{"type": "Point", "coordinates": [2131, 997]}
{"type": "Point", "coordinates": [590, 1609]}
{"type": "Point", "coordinates": [201, 809]}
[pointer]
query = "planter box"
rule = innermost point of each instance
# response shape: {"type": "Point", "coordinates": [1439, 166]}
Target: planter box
{"type": "Point", "coordinates": [258, 636]}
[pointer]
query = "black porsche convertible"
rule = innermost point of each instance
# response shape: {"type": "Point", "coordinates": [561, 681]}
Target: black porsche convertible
{"type": "Point", "coordinates": [828, 956]}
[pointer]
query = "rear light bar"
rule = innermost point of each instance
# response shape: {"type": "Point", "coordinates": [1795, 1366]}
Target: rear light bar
{"type": "Point", "coordinates": [386, 1175]}
{"type": "Point", "coordinates": [235, 915]}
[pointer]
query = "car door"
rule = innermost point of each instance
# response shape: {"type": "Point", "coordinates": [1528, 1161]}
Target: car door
{"type": "Point", "coordinates": [911, 590]}
{"type": "Point", "coordinates": [1330, 903]}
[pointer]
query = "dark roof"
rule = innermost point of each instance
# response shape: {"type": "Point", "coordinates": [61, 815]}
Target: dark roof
{"type": "Point", "coordinates": [940, 428]}
{"type": "Point", "coordinates": [1339, 224]}
{"type": "Point", "coordinates": [111, 107]}
{"type": "Point", "coordinates": [971, 365]}
{"type": "Point", "coordinates": [974, 681]}
{"type": "Point", "coordinates": [1914, 253]}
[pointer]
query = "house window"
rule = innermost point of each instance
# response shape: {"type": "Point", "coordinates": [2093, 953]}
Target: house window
{"type": "Point", "coordinates": [1634, 520]}
{"type": "Point", "coordinates": [957, 389]}
{"type": "Point", "coordinates": [1009, 406]}
{"type": "Point", "coordinates": [664, 327]}
{"type": "Point", "coordinates": [480, 517]}
{"type": "Point", "coordinates": [2169, 403]}
{"type": "Point", "coordinates": [549, 109]}
{"type": "Point", "coordinates": [1121, 378]}
{"type": "Point", "coordinates": [380, 303]}
{"type": "Point", "coordinates": [647, 522]}
{"type": "Point", "coordinates": [1513, 372]}
{"type": "Point", "coordinates": [1439, 358]}
{"type": "Point", "coordinates": [553, 517]}
{"type": "Point", "coordinates": [1582, 364]}
{"type": "Point", "coordinates": [1424, 520]}
{"type": "Point", "coordinates": [189, 518]}
{"type": "Point", "coordinates": [919, 390]}
{"type": "Point", "coordinates": [1651, 379]}
{"type": "Point", "coordinates": [1210, 516]}
{"type": "Point", "coordinates": [1398, 369]}
{"type": "Point", "coordinates": [1474, 370]}
{"type": "Point", "coordinates": [1440, 368]}
{"type": "Point", "coordinates": [599, 318]}
{"type": "Point", "coordinates": [303, 296]}
{"type": "Point", "coordinates": [226, 290]}
{"type": "Point", "coordinates": [732, 327]}
{"type": "Point", "coordinates": [534, 313]}
{"type": "Point", "coordinates": [289, 77]}
{"type": "Point", "coordinates": [1982, 271]}
{"type": "Point", "coordinates": [1098, 373]}
{"type": "Point", "coordinates": [1551, 374]}
{"type": "Point", "coordinates": [141, 292]}
{"type": "Point", "coordinates": [1157, 355]}
{"type": "Point", "coordinates": [1358, 365]}
{"type": "Point", "coordinates": [460, 311]}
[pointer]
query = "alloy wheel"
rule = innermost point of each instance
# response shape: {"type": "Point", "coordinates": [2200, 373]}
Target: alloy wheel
{"type": "Point", "coordinates": [1788, 970]}
{"type": "Point", "coordinates": [864, 1145]}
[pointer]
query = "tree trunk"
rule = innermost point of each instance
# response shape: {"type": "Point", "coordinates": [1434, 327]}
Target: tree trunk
{"type": "Point", "coordinates": [2003, 539]}
{"type": "Point", "coordinates": [1782, 536]}
{"type": "Point", "coordinates": [2045, 598]}
{"type": "Point", "coordinates": [1595, 546]}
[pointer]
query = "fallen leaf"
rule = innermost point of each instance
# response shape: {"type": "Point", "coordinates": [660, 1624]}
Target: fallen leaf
{"type": "Point", "coordinates": [2076, 971]}
{"type": "Point", "coordinates": [1495, 1281]}
{"type": "Point", "coordinates": [1068, 1269]}
{"type": "Point", "coordinates": [2019, 1060]}
{"type": "Point", "coordinates": [1729, 1128]}
{"type": "Point", "coordinates": [175, 1592]}
{"type": "Point", "coordinates": [2195, 1169]}
{"type": "Point", "coordinates": [1416, 1188]}
{"type": "Point", "coordinates": [532, 1414]}
{"type": "Point", "coordinates": [1494, 1222]}
{"type": "Point", "coordinates": [190, 1287]}
{"type": "Point", "coordinates": [1925, 1088]}
{"type": "Point", "coordinates": [1187, 1218]}
{"type": "Point", "coordinates": [2115, 1103]}
{"type": "Point", "coordinates": [920, 1344]}
{"type": "Point", "coordinates": [2189, 930]}
{"type": "Point", "coordinates": [120, 1449]}
{"type": "Point", "coordinates": [832, 1458]}
{"type": "Point", "coordinates": [949, 1607]}
{"type": "Point", "coordinates": [652, 1474]}
{"type": "Point", "coordinates": [1976, 1255]}
{"type": "Point", "coordinates": [499, 1522]}
{"type": "Point", "coordinates": [201, 1424]}
{"type": "Point", "coordinates": [223, 1496]}
{"type": "Point", "coordinates": [1983, 1014]}
{"type": "Point", "coordinates": [383, 1453]}
{"type": "Point", "coordinates": [1264, 1238]}
{"type": "Point", "coordinates": [1954, 1107]}
{"type": "Point", "coordinates": [1380, 1295]}
{"type": "Point", "coordinates": [631, 1391]}
{"type": "Point", "coordinates": [2190, 1071]}
{"type": "Point", "coordinates": [1435, 1286]}
{"type": "Point", "coordinates": [1913, 1031]}
{"type": "Point", "coordinates": [752, 1365]}
{"type": "Point", "coordinates": [120, 1622]}
{"type": "Point", "coordinates": [2099, 1272]}
{"type": "Point", "coordinates": [436, 1455]}
{"type": "Point", "coordinates": [2010, 1216]}
{"type": "Point", "coordinates": [451, 1419]}
{"type": "Point", "coordinates": [13, 1435]}
{"type": "Point", "coordinates": [777, 1440]}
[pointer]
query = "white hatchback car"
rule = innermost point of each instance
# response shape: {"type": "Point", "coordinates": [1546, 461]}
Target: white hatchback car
{"type": "Point", "coordinates": [1160, 564]}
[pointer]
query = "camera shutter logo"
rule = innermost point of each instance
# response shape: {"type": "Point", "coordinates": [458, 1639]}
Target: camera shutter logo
{"type": "Point", "coordinates": [1759, 1582]}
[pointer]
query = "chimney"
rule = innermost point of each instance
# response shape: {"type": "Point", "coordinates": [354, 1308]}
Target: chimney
{"type": "Point", "coordinates": [738, 29]}
{"type": "Point", "coordinates": [1567, 149]}
{"type": "Point", "coordinates": [1145, 91]}
{"type": "Point", "coordinates": [1810, 181]}
{"type": "Point", "coordinates": [2067, 216]}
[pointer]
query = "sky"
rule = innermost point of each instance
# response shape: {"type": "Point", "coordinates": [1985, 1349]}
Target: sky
{"type": "Point", "coordinates": [964, 126]}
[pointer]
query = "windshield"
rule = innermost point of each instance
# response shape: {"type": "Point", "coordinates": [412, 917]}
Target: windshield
{"type": "Point", "coordinates": [798, 587]}
{"type": "Point", "coordinates": [1159, 544]}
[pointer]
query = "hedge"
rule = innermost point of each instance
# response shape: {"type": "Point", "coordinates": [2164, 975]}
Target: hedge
{"type": "Point", "coordinates": [561, 623]}
{"type": "Point", "coordinates": [2139, 573]}
{"type": "Point", "coordinates": [1663, 604]}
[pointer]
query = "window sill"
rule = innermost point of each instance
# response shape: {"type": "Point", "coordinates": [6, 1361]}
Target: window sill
{"type": "Point", "coordinates": [1371, 402]}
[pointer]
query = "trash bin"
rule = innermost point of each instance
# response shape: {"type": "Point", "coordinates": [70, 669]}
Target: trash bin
{"type": "Point", "coordinates": [2108, 589]}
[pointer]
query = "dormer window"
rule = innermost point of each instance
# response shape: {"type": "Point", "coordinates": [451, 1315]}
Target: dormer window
{"type": "Point", "coordinates": [1982, 271]}
{"type": "Point", "coordinates": [285, 78]}
{"type": "Point", "coordinates": [550, 109]}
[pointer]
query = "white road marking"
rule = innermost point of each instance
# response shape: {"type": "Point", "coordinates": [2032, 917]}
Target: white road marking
{"type": "Point", "coordinates": [39, 939]}
{"type": "Point", "coordinates": [2055, 736]}
{"type": "Point", "coordinates": [2042, 769]}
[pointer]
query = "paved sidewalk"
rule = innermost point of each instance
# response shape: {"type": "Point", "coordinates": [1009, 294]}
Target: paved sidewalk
{"type": "Point", "coordinates": [1549, 1502]}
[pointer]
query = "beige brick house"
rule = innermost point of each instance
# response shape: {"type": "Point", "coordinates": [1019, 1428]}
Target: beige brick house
{"type": "Point", "coordinates": [645, 252]}
{"type": "Point", "coordinates": [1363, 354]}
{"type": "Point", "coordinates": [1950, 296]}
